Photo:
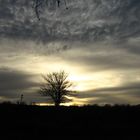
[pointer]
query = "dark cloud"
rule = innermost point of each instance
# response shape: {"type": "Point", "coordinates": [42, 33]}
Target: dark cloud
{"type": "Point", "coordinates": [132, 46]}
{"type": "Point", "coordinates": [13, 83]}
{"type": "Point", "coordinates": [105, 56]}
{"type": "Point", "coordinates": [128, 87]}
{"type": "Point", "coordinates": [90, 20]}
{"type": "Point", "coordinates": [128, 93]}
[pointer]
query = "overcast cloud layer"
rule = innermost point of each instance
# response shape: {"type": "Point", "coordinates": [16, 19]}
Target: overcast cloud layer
{"type": "Point", "coordinates": [96, 39]}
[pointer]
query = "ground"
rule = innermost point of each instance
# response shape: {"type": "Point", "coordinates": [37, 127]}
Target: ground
{"type": "Point", "coordinates": [22, 121]}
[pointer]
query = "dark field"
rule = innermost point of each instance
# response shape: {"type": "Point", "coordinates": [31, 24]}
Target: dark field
{"type": "Point", "coordinates": [21, 121]}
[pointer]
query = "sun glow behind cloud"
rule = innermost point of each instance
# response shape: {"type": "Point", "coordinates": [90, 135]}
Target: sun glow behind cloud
{"type": "Point", "coordinates": [90, 68]}
{"type": "Point", "coordinates": [74, 102]}
{"type": "Point", "coordinates": [96, 42]}
{"type": "Point", "coordinates": [82, 80]}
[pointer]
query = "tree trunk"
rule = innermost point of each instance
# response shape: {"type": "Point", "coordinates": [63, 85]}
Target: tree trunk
{"type": "Point", "coordinates": [57, 104]}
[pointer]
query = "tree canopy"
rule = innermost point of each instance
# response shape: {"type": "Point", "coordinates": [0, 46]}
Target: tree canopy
{"type": "Point", "coordinates": [57, 86]}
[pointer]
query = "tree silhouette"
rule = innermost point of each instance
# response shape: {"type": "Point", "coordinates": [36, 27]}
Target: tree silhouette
{"type": "Point", "coordinates": [57, 86]}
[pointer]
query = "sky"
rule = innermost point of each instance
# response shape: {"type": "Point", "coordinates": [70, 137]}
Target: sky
{"type": "Point", "coordinates": [95, 41]}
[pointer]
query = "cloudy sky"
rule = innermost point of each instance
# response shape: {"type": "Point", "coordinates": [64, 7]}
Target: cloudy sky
{"type": "Point", "coordinates": [95, 41]}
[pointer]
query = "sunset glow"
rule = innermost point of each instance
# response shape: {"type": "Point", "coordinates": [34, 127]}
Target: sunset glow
{"type": "Point", "coordinates": [96, 45]}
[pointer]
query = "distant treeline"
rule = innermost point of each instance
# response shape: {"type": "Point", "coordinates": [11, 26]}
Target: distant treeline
{"type": "Point", "coordinates": [84, 105]}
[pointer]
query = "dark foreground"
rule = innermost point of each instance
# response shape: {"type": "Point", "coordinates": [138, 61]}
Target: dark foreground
{"type": "Point", "coordinates": [22, 122]}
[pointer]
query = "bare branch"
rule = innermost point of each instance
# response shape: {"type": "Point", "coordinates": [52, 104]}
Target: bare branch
{"type": "Point", "coordinates": [56, 86]}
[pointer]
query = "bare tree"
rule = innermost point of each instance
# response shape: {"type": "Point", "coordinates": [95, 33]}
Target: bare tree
{"type": "Point", "coordinates": [57, 86]}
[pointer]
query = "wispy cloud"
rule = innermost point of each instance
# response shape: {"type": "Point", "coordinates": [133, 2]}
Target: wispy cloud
{"type": "Point", "coordinates": [90, 20]}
